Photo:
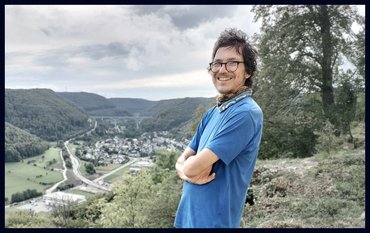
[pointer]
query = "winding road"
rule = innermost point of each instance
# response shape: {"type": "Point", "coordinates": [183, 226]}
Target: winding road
{"type": "Point", "coordinates": [76, 169]}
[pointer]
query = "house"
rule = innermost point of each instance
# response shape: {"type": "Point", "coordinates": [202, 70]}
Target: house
{"type": "Point", "coordinates": [60, 198]}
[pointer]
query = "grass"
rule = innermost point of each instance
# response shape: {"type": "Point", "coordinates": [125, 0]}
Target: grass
{"type": "Point", "coordinates": [108, 168]}
{"type": "Point", "coordinates": [324, 191]}
{"type": "Point", "coordinates": [115, 176]}
{"type": "Point", "coordinates": [20, 176]}
{"type": "Point", "coordinates": [80, 192]}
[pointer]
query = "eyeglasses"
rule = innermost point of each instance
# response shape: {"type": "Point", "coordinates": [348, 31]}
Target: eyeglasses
{"type": "Point", "coordinates": [230, 66]}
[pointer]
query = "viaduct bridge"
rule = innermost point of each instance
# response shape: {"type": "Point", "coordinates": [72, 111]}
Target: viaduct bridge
{"type": "Point", "coordinates": [136, 117]}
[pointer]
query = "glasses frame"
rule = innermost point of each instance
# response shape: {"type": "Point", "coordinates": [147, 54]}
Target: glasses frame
{"type": "Point", "coordinates": [224, 63]}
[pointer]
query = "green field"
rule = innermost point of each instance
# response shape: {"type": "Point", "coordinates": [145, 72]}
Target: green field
{"type": "Point", "coordinates": [80, 192]}
{"type": "Point", "coordinates": [116, 175]}
{"type": "Point", "coordinates": [28, 174]}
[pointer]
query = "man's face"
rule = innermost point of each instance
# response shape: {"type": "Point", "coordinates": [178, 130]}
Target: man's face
{"type": "Point", "coordinates": [224, 81]}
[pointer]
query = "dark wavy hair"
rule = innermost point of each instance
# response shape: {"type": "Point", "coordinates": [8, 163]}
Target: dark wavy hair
{"type": "Point", "coordinates": [237, 39]}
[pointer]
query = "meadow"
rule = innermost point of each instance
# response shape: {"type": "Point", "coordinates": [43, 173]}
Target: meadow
{"type": "Point", "coordinates": [39, 172]}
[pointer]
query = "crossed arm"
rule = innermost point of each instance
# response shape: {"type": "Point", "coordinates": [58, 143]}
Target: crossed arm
{"type": "Point", "coordinates": [196, 168]}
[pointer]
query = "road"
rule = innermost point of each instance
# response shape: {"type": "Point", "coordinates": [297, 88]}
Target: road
{"type": "Point", "coordinates": [133, 160]}
{"type": "Point", "coordinates": [76, 170]}
{"type": "Point", "coordinates": [50, 190]}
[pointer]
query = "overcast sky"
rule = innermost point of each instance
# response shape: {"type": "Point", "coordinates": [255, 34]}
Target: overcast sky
{"type": "Point", "coordinates": [151, 52]}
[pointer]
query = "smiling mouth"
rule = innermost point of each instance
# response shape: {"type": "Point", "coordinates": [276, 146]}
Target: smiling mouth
{"type": "Point", "coordinates": [223, 78]}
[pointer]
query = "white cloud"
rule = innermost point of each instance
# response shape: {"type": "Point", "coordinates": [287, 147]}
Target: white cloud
{"type": "Point", "coordinates": [106, 48]}
{"type": "Point", "coordinates": [197, 78]}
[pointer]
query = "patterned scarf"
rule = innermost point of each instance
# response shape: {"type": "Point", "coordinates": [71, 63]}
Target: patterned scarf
{"type": "Point", "coordinates": [223, 98]}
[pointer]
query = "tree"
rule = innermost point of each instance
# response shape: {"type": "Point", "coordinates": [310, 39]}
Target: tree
{"type": "Point", "coordinates": [128, 209]}
{"type": "Point", "coordinates": [90, 169]}
{"type": "Point", "coordinates": [166, 159]}
{"type": "Point", "coordinates": [199, 112]}
{"type": "Point", "coordinates": [346, 102]}
{"type": "Point", "coordinates": [303, 46]}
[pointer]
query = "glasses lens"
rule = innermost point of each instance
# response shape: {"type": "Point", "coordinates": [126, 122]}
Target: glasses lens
{"type": "Point", "coordinates": [231, 66]}
{"type": "Point", "coordinates": [215, 66]}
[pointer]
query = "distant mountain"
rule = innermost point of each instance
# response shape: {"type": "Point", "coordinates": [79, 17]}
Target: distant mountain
{"type": "Point", "coordinates": [134, 106]}
{"type": "Point", "coordinates": [93, 104]}
{"type": "Point", "coordinates": [20, 144]}
{"type": "Point", "coordinates": [174, 113]}
{"type": "Point", "coordinates": [166, 114]}
{"type": "Point", "coordinates": [44, 113]}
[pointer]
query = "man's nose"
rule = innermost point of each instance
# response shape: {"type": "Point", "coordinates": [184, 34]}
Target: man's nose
{"type": "Point", "coordinates": [222, 69]}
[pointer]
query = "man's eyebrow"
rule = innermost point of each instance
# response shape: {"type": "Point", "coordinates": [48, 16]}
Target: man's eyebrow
{"type": "Point", "coordinates": [229, 59]}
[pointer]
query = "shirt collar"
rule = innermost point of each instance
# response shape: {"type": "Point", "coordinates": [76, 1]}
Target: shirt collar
{"type": "Point", "coordinates": [234, 100]}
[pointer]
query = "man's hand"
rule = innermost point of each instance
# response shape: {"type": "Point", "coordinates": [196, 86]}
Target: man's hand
{"type": "Point", "coordinates": [202, 178]}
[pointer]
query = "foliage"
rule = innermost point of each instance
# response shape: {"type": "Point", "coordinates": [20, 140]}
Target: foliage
{"type": "Point", "coordinates": [317, 192]}
{"type": "Point", "coordinates": [287, 137]}
{"type": "Point", "coordinates": [87, 101]}
{"type": "Point", "coordinates": [304, 46]}
{"type": "Point", "coordinates": [43, 113]}
{"type": "Point", "coordinates": [20, 144]}
{"type": "Point", "coordinates": [25, 195]}
{"type": "Point", "coordinates": [346, 102]}
{"type": "Point", "coordinates": [90, 169]}
{"type": "Point", "coordinates": [27, 219]}
{"type": "Point", "coordinates": [327, 141]}
{"type": "Point", "coordinates": [302, 49]}
{"type": "Point", "coordinates": [168, 114]}
{"type": "Point", "coordinates": [62, 215]}
{"type": "Point", "coordinates": [139, 202]}
{"type": "Point", "coordinates": [128, 208]}
{"type": "Point", "coordinates": [166, 159]}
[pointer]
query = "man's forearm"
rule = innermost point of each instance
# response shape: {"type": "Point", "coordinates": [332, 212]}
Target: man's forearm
{"type": "Point", "coordinates": [181, 160]}
{"type": "Point", "coordinates": [202, 178]}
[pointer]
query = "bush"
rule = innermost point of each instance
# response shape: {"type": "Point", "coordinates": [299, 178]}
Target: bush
{"type": "Point", "coordinates": [327, 141]}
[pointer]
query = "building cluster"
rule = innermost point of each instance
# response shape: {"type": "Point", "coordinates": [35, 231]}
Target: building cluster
{"type": "Point", "coordinates": [118, 150]}
{"type": "Point", "coordinates": [62, 198]}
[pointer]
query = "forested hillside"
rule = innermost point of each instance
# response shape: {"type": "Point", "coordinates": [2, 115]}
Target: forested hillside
{"type": "Point", "coordinates": [134, 106]}
{"type": "Point", "coordinates": [170, 114]}
{"type": "Point", "coordinates": [20, 144]}
{"type": "Point", "coordinates": [43, 113]}
{"type": "Point", "coordinates": [165, 114]}
{"type": "Point", "coordinates": [93, 104]}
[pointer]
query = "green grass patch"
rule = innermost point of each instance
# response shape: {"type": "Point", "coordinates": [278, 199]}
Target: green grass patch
{"type": "Point", "coordinates": [80, 192]}
{"type": "Point", "coordinates": [108, 168]}
{"type": "Point", "coordinates": [115, 176]}
{"type": "Point", "coordinates": [32, 173]}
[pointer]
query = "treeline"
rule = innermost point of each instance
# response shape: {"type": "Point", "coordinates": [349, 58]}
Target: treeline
{"type": "Point", "coordinates": [170, 114]}
{"type": "Point", "coordinates": [302, 84]}
{"type": "Point", "coordinates": [93, 104]}
{"type": "Point", "coordinates": [43, 113]}
{"type": "Point", "coordinates": [20, 144]}
{"type": "Point", "coordinates": [25, 195]}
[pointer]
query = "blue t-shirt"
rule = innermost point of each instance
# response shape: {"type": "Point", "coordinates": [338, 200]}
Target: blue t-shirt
{"type": "Point", "coordinates": [233, 132]}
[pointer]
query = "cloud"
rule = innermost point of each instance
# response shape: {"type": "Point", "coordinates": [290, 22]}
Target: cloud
{"type": "Point", "coordinates": [187, 16]}
{"type": "Point", "coordinates": [146, 48]}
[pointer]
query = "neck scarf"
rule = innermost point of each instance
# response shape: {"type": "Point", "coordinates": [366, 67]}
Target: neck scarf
{"type": "Point", "coordinates": [223, 98]}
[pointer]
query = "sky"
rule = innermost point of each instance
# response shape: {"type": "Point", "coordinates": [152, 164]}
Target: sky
{"type": "Point", "coordinates": [137, 51]}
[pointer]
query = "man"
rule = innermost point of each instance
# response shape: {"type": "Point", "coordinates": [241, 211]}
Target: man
{"type": "Point", "coordinates": [218, 164]}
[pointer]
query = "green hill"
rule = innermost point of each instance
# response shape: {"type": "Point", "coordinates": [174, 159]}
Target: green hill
{"type": "Point", "coordinates": [93, 104]}
{"type": "Point", "coordinates": [43, 113]}
{"type": "Point", "coordinates": [133, 105]}
{"type": "Point", "coordinates": [173, 113]}
{"type": "Point", "coordinates": [166, 114]}
{"type": "Point", "coordinates": [20, 144]}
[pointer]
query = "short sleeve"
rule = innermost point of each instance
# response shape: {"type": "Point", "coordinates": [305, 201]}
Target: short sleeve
{"type": "Point", "coordinates": [233, 137]}
{"type": "Point", "coordinates": [194, 143]}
